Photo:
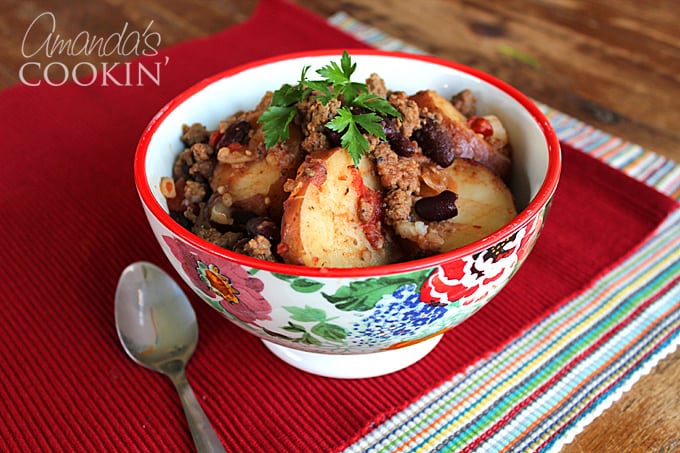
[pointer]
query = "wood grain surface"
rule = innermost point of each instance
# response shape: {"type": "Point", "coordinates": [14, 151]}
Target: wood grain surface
{"type": "Point", "coordinates": [612, 64]}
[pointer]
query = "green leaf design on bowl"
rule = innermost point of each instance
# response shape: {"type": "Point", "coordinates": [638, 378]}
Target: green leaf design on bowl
{"type": "Point", "coordinates": [363, 295]}
{"type": "Point", "coordinates": [321, 328]}
{"type": "Point", "coordinates": [300, 284]}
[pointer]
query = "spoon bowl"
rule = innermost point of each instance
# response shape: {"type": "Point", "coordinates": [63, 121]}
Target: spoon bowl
{"type": "Point", "coordinates": [148, 305]}
{"type": "Point", "coordinates": [157, 327]}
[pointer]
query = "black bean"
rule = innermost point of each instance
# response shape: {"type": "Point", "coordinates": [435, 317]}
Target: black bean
{"type": "Point", "coordinates": [263, 226]}
{"type": "Point", "coordinates": [439, 207]}
{"type": "Point", "coordinates": [436, 143]}
{"type": "Point", "coordinates": [334, 138]}
{"type": "Point", "coordinates": [402, 145]}
{"type": "Point", "coordinates": [357, 110]}
{"type": "Point", "coordinates": [389, 126]}
{"type": "Point", "coordinates": [236, 133]}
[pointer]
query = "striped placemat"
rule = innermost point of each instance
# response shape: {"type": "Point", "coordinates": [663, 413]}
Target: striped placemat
{"type": "Point", "coordinates": [549, 382]}
{"type": "Point", "coordinates": [653, 169]}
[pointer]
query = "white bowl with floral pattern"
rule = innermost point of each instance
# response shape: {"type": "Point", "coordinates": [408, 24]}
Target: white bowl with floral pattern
{"type": "Point", "coordinates": [356, 322]}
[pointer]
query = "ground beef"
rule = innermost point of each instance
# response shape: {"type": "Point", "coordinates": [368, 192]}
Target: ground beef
{"type": "Point", "coordinates": [396, 172]}
{"type": "Point", "coordinates": [376, 85]}
{"type": "Point", "coordinates": [196, 133]}
{"type": "Point", "coordinates": [399, 205]}
{"type": "Point", "coordinates": [373, 143]}
{"type": "Point", "coordinates": [202, 169]}
{"type": "Point", "coordinates": [465, 102]}
{"type": "Point", "coordinates": [410, 112]}
{"type": "Point", "coordinates": [280, 155]}
{"type": "Point", "coordinates": [199, 161]}
{"type": "Point", "coordinates": [183, 163]}
{"type": "Point", "coordinates": [202, 151]}
{"type": "Point", "coordinates": [257, 247]}
{"type": "Point", "coordinates": [262, 105]}
{"type": "Point", "coordinates": [225, 240]}
{"type": "Point", "coordinates": [192, 212]}
{"type": "Point", "coordinates": [315, 141]}
{"type": "Point", "coordinates": [312, 117]}
{"type": "Point", "coordinates": [194, 192]}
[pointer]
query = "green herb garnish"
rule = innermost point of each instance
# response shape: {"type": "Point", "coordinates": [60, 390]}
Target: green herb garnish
{"type": "Point", "coordinates": [336, 84]}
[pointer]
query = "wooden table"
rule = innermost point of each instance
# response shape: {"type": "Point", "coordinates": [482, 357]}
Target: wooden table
{"type": "Point", "coordinates": [614, 65]}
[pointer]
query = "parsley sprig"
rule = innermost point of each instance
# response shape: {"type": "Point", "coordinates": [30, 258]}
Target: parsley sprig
{"type": "Point", "coordinates": [336, 84]}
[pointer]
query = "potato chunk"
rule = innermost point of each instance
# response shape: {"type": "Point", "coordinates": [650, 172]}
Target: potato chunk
{"type": "Point", "coordinates": [484, 202]}
{"type": "Point", "coordinates": [333, 217]}
{"type": "Point", "coordinates": [466, 143]}
{"type": "Point", "coordinates": [256, 184]}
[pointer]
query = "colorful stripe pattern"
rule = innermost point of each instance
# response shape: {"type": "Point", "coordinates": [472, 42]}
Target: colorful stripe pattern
{"type": "Point", "coordinates": [646, 166]}
{"type": "Point", "coordinates": [543, 387]}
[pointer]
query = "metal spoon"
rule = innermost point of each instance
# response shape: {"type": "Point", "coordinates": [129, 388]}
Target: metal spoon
{"type": "Point", "coordinates": [157, 327]}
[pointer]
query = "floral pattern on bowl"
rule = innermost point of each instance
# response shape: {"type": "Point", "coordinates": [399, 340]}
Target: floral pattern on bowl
{"type": "Point", "coordinates": [370, 314]}
{"type": "Point", "coordinates": [480, 276]}
{"type": "Point", "coordinates": [224, 285]}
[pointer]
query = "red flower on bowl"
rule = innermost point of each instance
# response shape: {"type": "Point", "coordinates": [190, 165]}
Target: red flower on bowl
{"type": "Point", "coordinates": [478, 277]}
{"type": "Point", "coordinates": [236, 291]}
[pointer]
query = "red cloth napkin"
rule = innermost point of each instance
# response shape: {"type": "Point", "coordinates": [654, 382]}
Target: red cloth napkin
{"type": "Point", "coordinates": [72, 222]}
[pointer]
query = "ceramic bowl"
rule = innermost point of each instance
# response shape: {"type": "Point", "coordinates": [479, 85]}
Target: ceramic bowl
{"type": "Point", "coordinates": [358, 322]}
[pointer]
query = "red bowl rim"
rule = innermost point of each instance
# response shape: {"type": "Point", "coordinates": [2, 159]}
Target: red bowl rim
{"type": "Point", "coordinates": [540, 200]}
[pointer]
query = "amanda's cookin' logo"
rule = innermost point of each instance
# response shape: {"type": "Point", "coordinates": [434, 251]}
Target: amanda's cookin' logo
{"type": "Point", "coordinates": [51, 47]}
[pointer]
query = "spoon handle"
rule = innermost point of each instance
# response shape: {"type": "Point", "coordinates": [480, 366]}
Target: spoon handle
{"type": "Point", "coordinates": [205, 438]}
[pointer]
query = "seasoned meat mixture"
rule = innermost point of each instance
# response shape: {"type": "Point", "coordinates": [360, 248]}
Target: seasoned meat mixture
{"type": "Point", "coordinates": [228, 188]}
